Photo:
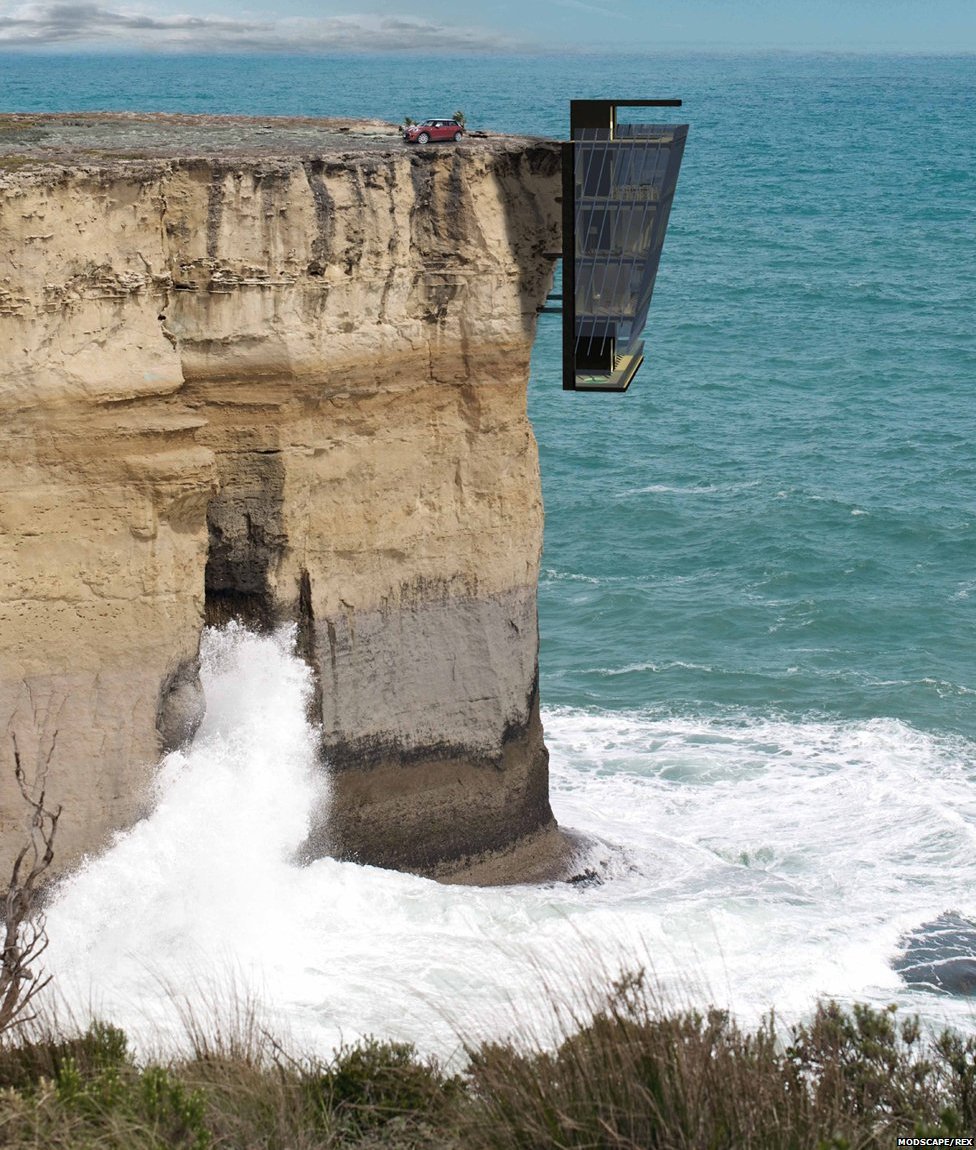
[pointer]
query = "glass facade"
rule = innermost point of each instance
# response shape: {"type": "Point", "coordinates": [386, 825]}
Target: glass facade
{"type": "Point", "coordinates": [618, 184]}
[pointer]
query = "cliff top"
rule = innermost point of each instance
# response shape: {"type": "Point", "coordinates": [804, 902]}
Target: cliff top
{"type": "Point", "coordinates": [102, 139]}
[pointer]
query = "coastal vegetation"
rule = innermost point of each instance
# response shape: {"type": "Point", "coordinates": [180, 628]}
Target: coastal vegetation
{"type": "Point", "coordinates": [630, 1076]}
{"type": "Point", "coordinates": [627, 1071]}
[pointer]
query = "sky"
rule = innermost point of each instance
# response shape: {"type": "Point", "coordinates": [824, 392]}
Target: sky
{"type": "Point", "coordinates": [391, 25]}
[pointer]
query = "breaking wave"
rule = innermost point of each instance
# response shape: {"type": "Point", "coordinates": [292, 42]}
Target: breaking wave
{"type": "Point", "coordinates": [748, 861]}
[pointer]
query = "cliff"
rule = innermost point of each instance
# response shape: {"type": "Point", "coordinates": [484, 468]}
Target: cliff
{"type": "Point", "coordinates": [274, 370]}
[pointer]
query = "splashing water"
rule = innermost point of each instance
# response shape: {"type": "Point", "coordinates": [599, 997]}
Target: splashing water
{"type": "Point", "coordinates": [748, 862]}
{"type": "Point", "coordinates": [199, 884]}
{"type": "Point", "coordinates": [205, 899]}
{"type": "Point", "coordinates": [773, 519]}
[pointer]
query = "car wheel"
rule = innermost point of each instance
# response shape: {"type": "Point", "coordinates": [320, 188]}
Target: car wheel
{"type": "Point", "coordinates": [457, 137]}
{"type": "Point", "coordinates": [423, 138]}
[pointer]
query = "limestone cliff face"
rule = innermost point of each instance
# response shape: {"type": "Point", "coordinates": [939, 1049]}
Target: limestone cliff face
{"type": "Point", "coordinates": [278, 387]}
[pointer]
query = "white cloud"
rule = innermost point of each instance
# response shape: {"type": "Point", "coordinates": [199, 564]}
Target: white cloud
{"type": "Point", "coordinates": [580, 6]}
{"type": "Point", "coordinates": [88, 24]}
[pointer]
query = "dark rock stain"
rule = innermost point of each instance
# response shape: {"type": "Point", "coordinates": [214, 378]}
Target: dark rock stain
{"type": "Point", "coordinates": [215, 211]}
{"type": "Point", "coordinates": [322, 242]}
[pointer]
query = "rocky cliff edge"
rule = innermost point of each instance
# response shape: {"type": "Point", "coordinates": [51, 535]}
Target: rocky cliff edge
{"type": "Point", "coordinates": [274, 370]}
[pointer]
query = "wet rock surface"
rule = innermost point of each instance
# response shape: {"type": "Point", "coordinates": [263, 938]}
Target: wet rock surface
{"type": "Point", "coordinates": [940, 955]}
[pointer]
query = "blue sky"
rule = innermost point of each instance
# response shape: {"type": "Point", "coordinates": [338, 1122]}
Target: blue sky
{"type": "Point", "coordinates": [327, 25]}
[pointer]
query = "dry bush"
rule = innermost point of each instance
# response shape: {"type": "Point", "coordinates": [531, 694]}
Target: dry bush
{"type": "Point", "coordinates": [630, 1078]}
{"type": "Point", "coordinates": [634, 1078]}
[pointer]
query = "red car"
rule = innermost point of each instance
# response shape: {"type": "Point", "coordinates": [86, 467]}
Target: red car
{"type": "Point", "coordinates": [431, 130]}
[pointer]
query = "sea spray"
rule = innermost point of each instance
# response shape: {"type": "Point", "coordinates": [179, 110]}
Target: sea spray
{"type": "Point", "coordinates": [206, 899]}
{"type": "Point", "coordinates": [747, 861]}
{"type": "Point", "coordinates": [805, 378]}
{"type": "Point", "coordinates": [200, 885]}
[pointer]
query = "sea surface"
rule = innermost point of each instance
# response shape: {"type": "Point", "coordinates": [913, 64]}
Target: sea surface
{"type": "Point", "coordinates": [757, 601]}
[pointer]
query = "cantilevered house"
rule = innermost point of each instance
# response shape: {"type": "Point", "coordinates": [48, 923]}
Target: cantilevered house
{"type": "Point", "coordinates": [618, 184]}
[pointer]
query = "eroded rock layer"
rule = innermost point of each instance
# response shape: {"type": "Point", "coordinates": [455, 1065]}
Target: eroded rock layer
{"type": "Point", "coordinates": [276, 387]}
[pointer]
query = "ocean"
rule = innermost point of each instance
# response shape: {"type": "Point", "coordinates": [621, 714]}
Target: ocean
{"type": "Point", "coordinates": [756, 606]}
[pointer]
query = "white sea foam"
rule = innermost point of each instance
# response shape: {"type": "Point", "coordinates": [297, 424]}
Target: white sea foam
{"type": "Point", "coordinates": [570, 577]}
{"type": "Point", "coordinates": [790, 856]}
{"type": "Point", "coordinates": [750, 861]}
{"type": "Point", "coordinates": [204, 880]}
{"type": "Point", "coordinates": [671, 489]}
{"type": "Point", "coordinates": [657, 668]}
{"type": "Point", "coordinates": [690, 489]}
{"type": "Point", "coordinates": [966, 588]}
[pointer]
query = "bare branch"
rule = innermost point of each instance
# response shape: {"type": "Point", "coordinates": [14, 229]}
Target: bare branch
{"type": "Point", "coordinates": [23, 927]}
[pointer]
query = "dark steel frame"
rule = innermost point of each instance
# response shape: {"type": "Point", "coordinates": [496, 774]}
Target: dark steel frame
{"type": "Point", "coordinates": [593, 118]}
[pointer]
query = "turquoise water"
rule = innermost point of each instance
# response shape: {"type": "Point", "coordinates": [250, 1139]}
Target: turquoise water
{"type": "Point", "coordinates": [759, 586]}
{"type": "Point", "coordinates": [780, 515]}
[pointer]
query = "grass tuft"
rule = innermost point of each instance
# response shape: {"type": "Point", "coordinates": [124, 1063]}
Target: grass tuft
{"type": "Point", "coordinates": [630, 1076]}
{"type": "Point", "coordinates": [633, 1077]}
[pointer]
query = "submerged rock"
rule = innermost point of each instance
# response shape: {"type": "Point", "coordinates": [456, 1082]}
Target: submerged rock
{"type": "Point", "coordinates": [940, 955]}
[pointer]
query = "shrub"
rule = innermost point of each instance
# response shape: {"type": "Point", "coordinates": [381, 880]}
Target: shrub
{"type": "Point", "coordinates": [101, 1048]}
{"type": "Point", "coordinates": [630, 1076]}
{"type": "Point", "coordinates": [86, 1091]}
{"type": "Point", "coordinates": [862, 1063]}
{"type": "Point", "coordinates": [635, 1077]}
{"type": "Point", "coordinates": [368, 1085]}
{"type": "Point", "coordinates": [957, 1072]}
